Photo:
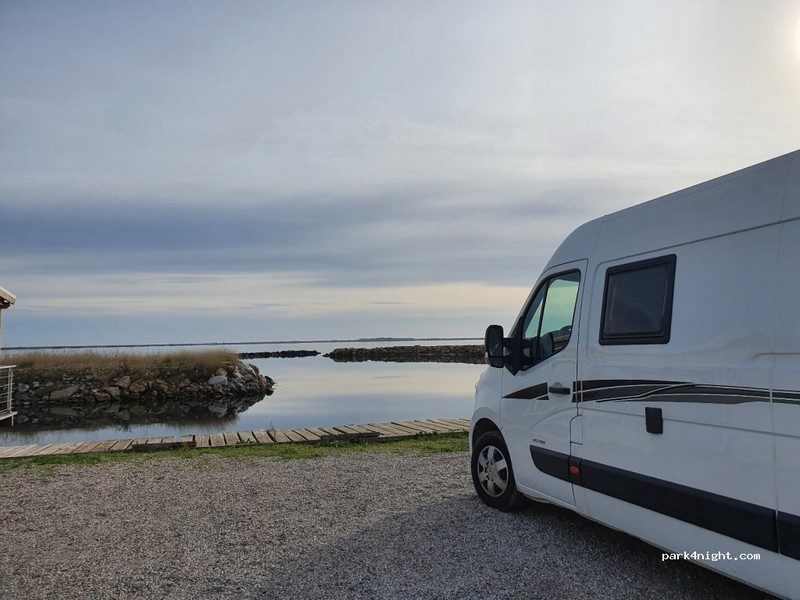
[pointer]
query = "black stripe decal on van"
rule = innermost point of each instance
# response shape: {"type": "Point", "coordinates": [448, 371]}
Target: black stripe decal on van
{"type": "Point", "coordinates": [592, 384]}
{"type": "Point", "coordinates": [643, 390]}
{"type": "Point", "coordinates": [738, 519]}
{"type": "Point", "coordinates": [529, 393]}
{"type": "Point", "coordinates": [744, 521]}
{"type": "Point", "coordinates": [617, 390]}
{"type": "Point", "coordinates": [789, 535]}
{"type": "Point", "coordinates": [551, 462]}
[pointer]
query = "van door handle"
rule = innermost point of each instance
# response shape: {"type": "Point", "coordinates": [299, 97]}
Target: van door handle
{"type": "Point", "coordinates": [559, 389]}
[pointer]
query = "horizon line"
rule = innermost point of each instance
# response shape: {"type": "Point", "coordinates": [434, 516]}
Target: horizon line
{"type": "Point", "coordinates": [249, 343]}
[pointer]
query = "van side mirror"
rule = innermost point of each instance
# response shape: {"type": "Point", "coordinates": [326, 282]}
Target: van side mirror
{"type": "Point", "coordinates": [495, 349]}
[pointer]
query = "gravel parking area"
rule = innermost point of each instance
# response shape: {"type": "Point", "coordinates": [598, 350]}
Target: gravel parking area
{"type": "Point", "coordinates": [352, 526]}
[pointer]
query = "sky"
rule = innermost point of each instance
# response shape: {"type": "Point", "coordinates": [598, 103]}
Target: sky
{"type": "Point", "coordinates": [204, 171]}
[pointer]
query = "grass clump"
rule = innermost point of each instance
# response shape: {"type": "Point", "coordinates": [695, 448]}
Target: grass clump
{"type": "Point", "coordinates": [195, 365]}
{"type": "Point", "coordinates": [420, 445]}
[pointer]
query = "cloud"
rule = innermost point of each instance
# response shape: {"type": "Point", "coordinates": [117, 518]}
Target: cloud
{"type": "Point", "coordinates": [359, 169]}
{"type": "Point", "coordinates": [397, 237]}
{"type": "Point", "coordinates": [268, 295]}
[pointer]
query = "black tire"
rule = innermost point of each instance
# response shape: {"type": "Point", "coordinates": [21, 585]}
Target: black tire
{"type": "Point", "coordinates": [507, 499]}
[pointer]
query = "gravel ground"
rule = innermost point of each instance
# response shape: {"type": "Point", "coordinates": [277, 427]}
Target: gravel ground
{"type": "Point", "coordinates": [374, 526]}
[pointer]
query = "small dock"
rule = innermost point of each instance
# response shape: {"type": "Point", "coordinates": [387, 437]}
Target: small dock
{"type": "Point", "coordinates": [377, 432]}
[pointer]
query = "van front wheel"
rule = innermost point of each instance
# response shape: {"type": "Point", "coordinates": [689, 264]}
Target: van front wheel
{"type": "Point", "coordinates": [492, 473]}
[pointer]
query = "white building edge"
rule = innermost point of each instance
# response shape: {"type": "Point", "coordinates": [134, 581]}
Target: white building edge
{"type": "Point", "coordinates": [7, 299]}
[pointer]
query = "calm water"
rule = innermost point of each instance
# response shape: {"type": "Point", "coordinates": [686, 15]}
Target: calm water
{"type": "Point", "coordinates": [314, 391]}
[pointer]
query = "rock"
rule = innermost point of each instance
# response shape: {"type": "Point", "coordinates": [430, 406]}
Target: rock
{"type": "Point", "coordinates": [82, 399]}
{"type": "Point", "coordinates": [63, 393]}
{"type": "Point", "coordinates": [112, 391]}
{"type": "Point", "coordinates": [138, 387]}
{"type": "Point", "coordinates": [473, 354]}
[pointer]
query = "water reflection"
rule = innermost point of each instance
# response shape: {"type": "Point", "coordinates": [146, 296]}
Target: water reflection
{"type": "Point", "coordinates": [83, 415]}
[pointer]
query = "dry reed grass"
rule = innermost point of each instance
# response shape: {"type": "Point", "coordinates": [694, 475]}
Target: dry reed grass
{"type": "Point", "coordinates": [103, 366]}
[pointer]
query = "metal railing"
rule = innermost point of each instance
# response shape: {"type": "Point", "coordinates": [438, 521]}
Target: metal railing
{"type": "Point", "coordinates": [6, 389]}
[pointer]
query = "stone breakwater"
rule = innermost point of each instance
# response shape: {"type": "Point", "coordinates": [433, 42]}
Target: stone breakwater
{"type": "Point", "coordinates": [279, 354]}
{"type": "Point", "coordinates": [79, 398]}
{"type": "Point", "coordinates": [472, 354]}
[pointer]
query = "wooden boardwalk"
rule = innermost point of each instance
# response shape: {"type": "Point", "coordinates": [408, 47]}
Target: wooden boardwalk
{"type": "Point", "coordinates": [379, 432]}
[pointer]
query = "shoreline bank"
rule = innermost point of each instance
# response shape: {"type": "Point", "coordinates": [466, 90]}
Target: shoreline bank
{"type": "Point", "coordinates": [90, 389]}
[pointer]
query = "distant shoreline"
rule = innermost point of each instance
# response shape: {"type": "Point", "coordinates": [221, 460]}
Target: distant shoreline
{"type": "Point", "coordinates": [185, 345]}
{"type": "Point", "coordinates": [462, 353]}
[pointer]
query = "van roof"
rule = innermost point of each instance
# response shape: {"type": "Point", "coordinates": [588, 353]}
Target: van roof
{"type": "Point", "coordinates": [714, 207]}
{"type": "Point", "coordinates": [6, 298]}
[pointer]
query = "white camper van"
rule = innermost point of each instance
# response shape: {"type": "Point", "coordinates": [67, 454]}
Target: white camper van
{"type": "Point", "coordinates": [652, 379]}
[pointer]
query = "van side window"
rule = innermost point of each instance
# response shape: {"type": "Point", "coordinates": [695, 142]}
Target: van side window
{"type": "Point", "coordinates": [637, 302]}
{"type": "Point", "coordinates": [547, 325]}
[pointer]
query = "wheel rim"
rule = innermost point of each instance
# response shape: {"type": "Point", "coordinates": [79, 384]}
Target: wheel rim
{"type": "Point", "coordinates": [492, 471]}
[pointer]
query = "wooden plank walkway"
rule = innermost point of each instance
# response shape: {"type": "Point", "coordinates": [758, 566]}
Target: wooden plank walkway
{"type": "Point", "coordinates": [380, 432]}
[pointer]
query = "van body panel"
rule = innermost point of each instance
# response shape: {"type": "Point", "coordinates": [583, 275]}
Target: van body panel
{"type": "Point", "coordinates": [578, 245]}
{"type": "Point", "coordinates": [717, 208]}
{"type": "Point", "coordinates": [791, 205]}
{"type": "Point", "coordinates": [487, 400]}
{"type": "Point", "coordinates": [673, 535]}
{"type": "Point", "coordinates": [787, 314]}
{"type": "Point", "coordinates": [717, 428]}
{"type": "Point", "coordinates": [532, 414]}
{"type": "Point", "coordinates": [786, 391]}
{"type": "Point", "coordinates": [688, 440]}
